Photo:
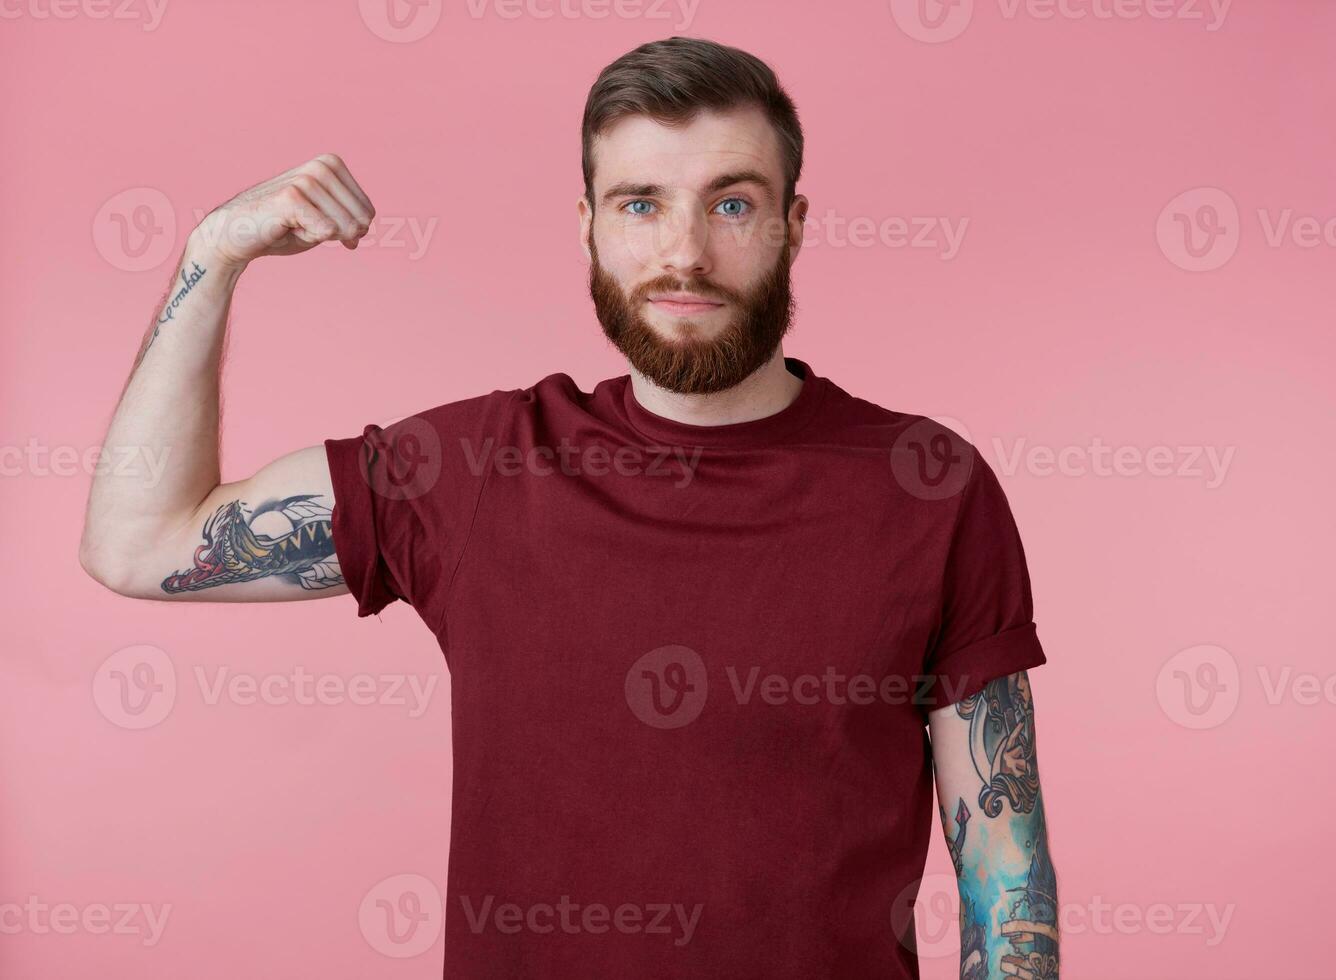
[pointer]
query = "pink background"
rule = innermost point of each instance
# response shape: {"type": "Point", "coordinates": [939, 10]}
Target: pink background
{"type": "Point", "coordinates": [1064, 317]}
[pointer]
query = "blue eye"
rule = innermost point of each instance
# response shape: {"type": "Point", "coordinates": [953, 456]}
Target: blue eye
{"type": "Point", "coordinates": [735, 200]}
{"type": "Point", "coordinates": [740, 207]}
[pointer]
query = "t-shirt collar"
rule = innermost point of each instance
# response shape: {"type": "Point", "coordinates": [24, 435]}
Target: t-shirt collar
{"type": "Point", "coordinates": [768, 429]}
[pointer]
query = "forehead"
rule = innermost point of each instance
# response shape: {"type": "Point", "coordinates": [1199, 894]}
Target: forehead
{"type": "Point", "coordinates": [638, 148]}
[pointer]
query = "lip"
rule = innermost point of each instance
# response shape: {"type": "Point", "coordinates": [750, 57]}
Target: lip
{"type": "Point", "coordinates": [683, 303]}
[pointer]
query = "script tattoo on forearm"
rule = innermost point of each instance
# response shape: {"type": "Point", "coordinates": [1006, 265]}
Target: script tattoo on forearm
{"type": "Point", "coordinates": [189, 280]}
{"type": "Point", "coordinates": [298, 546]}
{"type": "Point", "coordinates": [1008, 907]}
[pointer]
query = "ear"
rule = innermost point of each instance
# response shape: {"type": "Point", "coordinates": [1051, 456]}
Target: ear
{"type": "Point", "coordinates": [796, 216]}
{"type": "Point", "coordinates": [586, 225]}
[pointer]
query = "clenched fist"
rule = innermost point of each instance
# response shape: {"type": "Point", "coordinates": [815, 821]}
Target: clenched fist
{"type": "Point", "coordinates": [316, 202]}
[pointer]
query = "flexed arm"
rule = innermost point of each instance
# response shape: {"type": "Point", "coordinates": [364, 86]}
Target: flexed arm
{"type": "Point", "coordinates": [173, 531]}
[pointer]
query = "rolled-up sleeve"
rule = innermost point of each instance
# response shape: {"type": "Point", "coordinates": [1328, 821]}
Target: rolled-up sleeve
{"type": "Point", "coordinates": [986, 628]}
{"type": "Point", "coordinates": [362, 521]}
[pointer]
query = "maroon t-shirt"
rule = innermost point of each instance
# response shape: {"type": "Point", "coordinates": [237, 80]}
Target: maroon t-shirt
{"type": "Point", "coordinates": [687, 668]}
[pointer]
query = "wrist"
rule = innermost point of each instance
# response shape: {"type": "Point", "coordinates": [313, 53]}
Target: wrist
{"type": "Point", "coordinates": [199, 249]}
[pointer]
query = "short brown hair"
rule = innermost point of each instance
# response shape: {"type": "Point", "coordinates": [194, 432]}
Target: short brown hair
{"type": "Point", "coordinates": [673, 80]}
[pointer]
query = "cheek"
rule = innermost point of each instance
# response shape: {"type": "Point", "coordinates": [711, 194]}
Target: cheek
{"type": "Point", "coordinates": [624, 249]}
{"type": "Point", "coordinates": [759, 235]}
{"type": "Point", "coordinates": [737, 265]}
{"type": "Point", "coordinates": [633, 246]}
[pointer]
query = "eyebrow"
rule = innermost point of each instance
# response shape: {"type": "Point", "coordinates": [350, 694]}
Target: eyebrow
{"type": "Point", "coordinates": [631, 189]}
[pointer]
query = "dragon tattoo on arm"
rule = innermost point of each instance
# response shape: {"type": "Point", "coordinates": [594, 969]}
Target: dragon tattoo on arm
{"type": "Point", "coordinates": [302, 552]}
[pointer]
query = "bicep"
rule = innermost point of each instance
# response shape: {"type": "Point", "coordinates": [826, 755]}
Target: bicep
{"type": "Point", "coordinates": [267, 538]}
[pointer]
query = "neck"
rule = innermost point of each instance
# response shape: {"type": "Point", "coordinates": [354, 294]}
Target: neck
{"type": "Point", "coordinates": [767, 390]}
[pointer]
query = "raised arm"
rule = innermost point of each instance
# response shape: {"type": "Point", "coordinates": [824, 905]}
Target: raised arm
{"type": "Point", "coordinates": [992, 812]}
{"type": "Point", "coordinates": [159, 525]}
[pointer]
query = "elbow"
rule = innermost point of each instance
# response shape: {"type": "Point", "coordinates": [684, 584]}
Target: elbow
{"type": "Point", "coordinates": [108, 574]}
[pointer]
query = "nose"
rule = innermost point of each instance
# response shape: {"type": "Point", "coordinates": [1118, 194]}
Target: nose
{"type": "Point", "coordinates": [683, 246]}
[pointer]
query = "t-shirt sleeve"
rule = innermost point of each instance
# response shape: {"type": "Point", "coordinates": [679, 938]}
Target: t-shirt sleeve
{"type": "Point", "coordinates": [366, 522]}
{"type": "Point", "coordinates": [986, 628]}
{"type": "Point", "coordinates": [405, 497]}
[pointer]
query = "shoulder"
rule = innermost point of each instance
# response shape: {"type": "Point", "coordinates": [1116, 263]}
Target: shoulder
{"type": "Point", "coordinates": [932, 459]}
{"type": "Point", "coordinates": [866, 422]}
{"type": "Point", "coordinates": [502, 417]}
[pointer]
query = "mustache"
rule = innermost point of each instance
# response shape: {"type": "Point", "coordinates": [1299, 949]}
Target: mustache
{"type": "Point", "coordinates": [668, 284]}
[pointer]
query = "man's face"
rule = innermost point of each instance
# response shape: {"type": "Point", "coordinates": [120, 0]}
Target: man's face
{"type": "Point", "coordinates": [689, 250]}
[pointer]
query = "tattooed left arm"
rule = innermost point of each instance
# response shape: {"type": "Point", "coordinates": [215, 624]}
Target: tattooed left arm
{"type": "Point", "coordinates": [992, 813]}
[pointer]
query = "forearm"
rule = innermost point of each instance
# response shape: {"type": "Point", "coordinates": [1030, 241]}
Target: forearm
{"type": "Point", "coordinates": [1008, 893]}
{"type": "Point", "coordinates": [992, 810]}
{"type": "Point", "coordinates": [164, 432]}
